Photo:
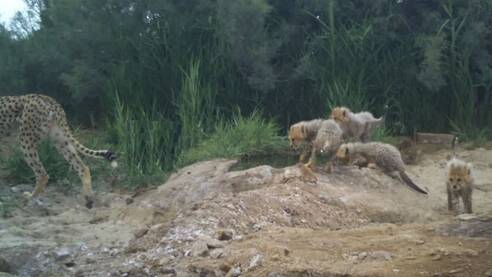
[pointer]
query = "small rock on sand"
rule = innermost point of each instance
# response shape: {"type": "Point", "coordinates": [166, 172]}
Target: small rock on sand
{"type": "Point", "coordinates": [224, 235]}
{"type": "Point", "coordinates": [199, 249]}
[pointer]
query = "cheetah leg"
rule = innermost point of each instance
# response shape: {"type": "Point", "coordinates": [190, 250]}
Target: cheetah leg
{"type": "Point", "coordinates": [68, 151]}
{"type": "Point", "coordinates": [305, 152]}
{"type": "Point", "coordinates": [307, 174]}
{"type": "Point", "coordinates": [308, 169]}
{"type": "Point", "coordinates": [452, 201]}
{"type": "Point", "coordinates": [364, 137]}
{"type": "Point", "coordinates": [359, 161]}
{"type": "Point", "coordinates": [467, 201]}
{"type": "Point", "coordinates": [29, 143]}
{"type": "Point", "coordinates": [312, 160]}
{"type": "Point", "coordinates": [302, 157]}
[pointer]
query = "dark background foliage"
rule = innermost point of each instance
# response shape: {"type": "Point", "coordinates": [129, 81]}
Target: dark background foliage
{"type": "Point", "coordinates": [190, 64]}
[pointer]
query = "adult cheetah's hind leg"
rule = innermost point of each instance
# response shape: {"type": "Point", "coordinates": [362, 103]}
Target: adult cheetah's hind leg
{"type": "Point", "coordinates": [29, 143]}
{"type": "Point", "coordinates": [67, 149]}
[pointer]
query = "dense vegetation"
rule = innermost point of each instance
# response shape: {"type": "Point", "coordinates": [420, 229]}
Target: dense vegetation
{"type": "Point", "coordinates": [163, 75]}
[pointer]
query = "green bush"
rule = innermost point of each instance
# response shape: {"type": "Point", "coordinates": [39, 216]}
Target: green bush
{"type": "Point", "coordinates": [244, 136]}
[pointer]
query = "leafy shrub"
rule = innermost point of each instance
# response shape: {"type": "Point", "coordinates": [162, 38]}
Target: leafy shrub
{"type": "Point", "coordinates": [243, 136]}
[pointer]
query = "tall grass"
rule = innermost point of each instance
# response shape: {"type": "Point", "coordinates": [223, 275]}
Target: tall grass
{"type": "Point", "coordinates": [346, 93]}
{"type": "Point", "coordinates": [144, 139]}
{"type": "Point", "coordinates": [147, 140]}
{"type": "Point", "coordinates": [351, 54]}
{"type": "Point", "coordinates": [243, 136]}
{"type": "Point", "coordinates": [357, 67]}
{"type": "Point", "coordinates": [196, 107]}
{"type": "Point", "coordinates": [461, 82]}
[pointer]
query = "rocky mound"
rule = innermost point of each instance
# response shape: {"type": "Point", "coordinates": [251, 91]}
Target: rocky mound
{"type": "Point", "coordinates": [207, 220]}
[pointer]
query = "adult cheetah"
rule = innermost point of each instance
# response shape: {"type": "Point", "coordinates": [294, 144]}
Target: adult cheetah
{"type": "Point", "coordinates": [40, 117]}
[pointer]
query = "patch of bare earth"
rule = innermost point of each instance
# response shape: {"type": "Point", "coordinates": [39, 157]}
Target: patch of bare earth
{"type": "Point", "coordinates": [209, 221]}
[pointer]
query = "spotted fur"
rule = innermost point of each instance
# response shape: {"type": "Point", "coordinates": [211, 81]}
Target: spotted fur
{"type": "Point", "coordinates": [355, 125]}
{"type": "Point", "coordinates": [459, 184]}
{"type": "Point", "coordinates": [302, 134]}
{"type": "Point", "coordinates": [327, 141]}
{"type": "Point", "coordinates": [40, 117]}
{"type": "Point", "coordinates": [385, 156]}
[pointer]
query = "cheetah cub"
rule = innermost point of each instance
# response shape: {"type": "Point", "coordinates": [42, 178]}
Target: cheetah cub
{"type": "Point", "coordinates": [301, 136]}
{"type": "Point", "coordinates": [459, 183]}
{"type": "Point", "coordinates": [40, 117]}
{"type": "Point", "coordinates": [385, 156]}
{"type": "Point", "coordinates": [326, 143]}
{"type": "Point", "coordinates": [318, 136]}
{"type": "Point", "coordinates": [356, 125]}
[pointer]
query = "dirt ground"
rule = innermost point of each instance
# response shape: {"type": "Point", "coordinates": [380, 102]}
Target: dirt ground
{"type": "Point", "coordinates": [207, 220]}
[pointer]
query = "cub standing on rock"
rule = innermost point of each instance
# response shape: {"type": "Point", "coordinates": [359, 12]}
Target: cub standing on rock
{"type": "Point", "coordinates": [355, 125]}
{"type": "Point", "coordinates": [327, 141]}
{"type": "Point", "coordinates": [40, 117]}
{"type": "Point", "coordinates": [385, 156]}
{"type": "Point", "coordinates": [304, 132]}
{"type": "Point", "coordinates": [322, 136]}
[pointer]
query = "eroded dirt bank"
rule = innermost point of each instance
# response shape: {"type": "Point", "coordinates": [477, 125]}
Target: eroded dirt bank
{"type": "Point", "coordinates": [209, 221]}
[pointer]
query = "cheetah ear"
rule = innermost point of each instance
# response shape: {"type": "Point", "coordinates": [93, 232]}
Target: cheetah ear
{"type": "Point", "coordinates": [344, 113]}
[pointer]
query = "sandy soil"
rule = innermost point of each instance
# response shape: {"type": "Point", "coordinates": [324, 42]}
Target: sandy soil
{"type": "Point", "coordinates": [207, 220]}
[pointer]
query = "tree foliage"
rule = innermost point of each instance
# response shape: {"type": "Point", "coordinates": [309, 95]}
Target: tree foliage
{"type": "Point", "coordinates": [422, 60]}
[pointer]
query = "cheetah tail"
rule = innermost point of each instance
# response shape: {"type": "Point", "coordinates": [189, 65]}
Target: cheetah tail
{"type": "Point", "coordinates": [106, 154]}
{"type": "Point", "coordinates": [380, 122]}
{"type": "Point", "coordinates": [454, 144]}
{"type": "Point", "coordinates": [410, 183]}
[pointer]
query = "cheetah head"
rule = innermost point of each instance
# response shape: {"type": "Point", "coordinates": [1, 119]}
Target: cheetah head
{"type": "Point", "coordinates": [344, 152]}
{"type": "Point", "coordinates": [297, 135]}
{"type": "Point", "coordinates": [340, 114]}
{"type": "Point", "coordinates": [459, 174]}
